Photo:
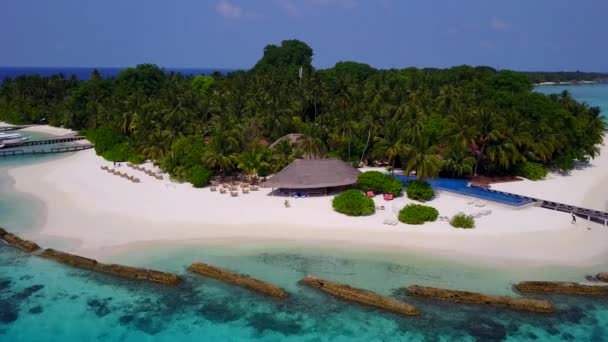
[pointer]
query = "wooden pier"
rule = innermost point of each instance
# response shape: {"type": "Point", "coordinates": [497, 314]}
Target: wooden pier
{"type": "Point", "coordinates": [593, 215]}
{"type": "Point", "coordinates": [59, 140]}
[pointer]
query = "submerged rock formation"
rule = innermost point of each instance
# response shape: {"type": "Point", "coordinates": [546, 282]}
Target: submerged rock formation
{"type": "Point", "coordinates": [238, 279]}
{"type": "Point", "coordinates": [17, 242]}
{"type": "Point", "coordinates": [561, 288]}
{"type": "Point", "coordinates": [360, 296]}
{"type": "Point", "coordinates": [523, 304]}
{"type": "Point", "coordinates": [113, 269]}
{"type": "Point", "coordinates": [602, 277]}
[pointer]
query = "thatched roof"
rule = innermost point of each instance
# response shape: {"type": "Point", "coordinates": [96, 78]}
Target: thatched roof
{"type": "Point", "coordinates": [314, 173]}
{"type": "Point", "coordinates": [292, 138]}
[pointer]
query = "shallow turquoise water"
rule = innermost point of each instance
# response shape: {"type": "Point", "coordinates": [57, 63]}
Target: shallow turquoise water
{"type": "Point", "coordinates": [593, 94]}
{"type": "Point", "coordinates": [43, 301]}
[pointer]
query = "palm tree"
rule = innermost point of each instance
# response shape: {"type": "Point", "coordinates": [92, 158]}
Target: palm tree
{"type": "Point", "coordinates": [390, 144]}
{"type": "Point", "coordinates": [487, 131]}
{"type": "Point", "coordinates": [220, 150]}
{"type": "Point", "coordinates": [423, 157]}
{"type": "Point", "coordinates": [252, 161]}
{"type": "Point", "coordinates": [457, 161]}
{"type": "Point", "coordinates": [462, 127]}
{"type": "Point", "coordinates": [310, 143]}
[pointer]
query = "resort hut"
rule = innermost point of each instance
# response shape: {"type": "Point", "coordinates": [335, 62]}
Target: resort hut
{"type": "Point", "coordinates": [310, 177]}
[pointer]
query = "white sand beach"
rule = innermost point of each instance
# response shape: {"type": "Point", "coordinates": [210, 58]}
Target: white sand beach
{"type": "Point", "coordinates": [106, 213]}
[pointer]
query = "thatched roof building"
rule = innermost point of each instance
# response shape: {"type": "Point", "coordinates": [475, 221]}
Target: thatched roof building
{"type": "Point", "coordinates": [322, 175]}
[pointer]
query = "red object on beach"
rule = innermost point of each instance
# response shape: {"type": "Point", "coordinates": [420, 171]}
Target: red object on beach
{"type": "Point", "coordinates": [388, 197]}
{"type": "Point", "coordinates": [371, 194]}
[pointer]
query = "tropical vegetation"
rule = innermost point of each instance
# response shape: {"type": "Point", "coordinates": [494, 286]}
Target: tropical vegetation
{"type": "Point", "coordinates": [353, 203]}
{"type": "Point", "coordinates": [462, 220]}
{"type": "Point", "coordinates": [419, 190]}
{"type": "Point", "coordinates": [379, 182]}
{"type": "Point", "coordinates": [532, 171]}
{"type": "Point", "coordinates": [417, 214]}
{"type": "Point", "coordinates": [456, 122]}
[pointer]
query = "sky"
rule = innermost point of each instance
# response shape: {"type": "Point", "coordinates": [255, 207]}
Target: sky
{"type": "Point", "coordinates": [509, 34]}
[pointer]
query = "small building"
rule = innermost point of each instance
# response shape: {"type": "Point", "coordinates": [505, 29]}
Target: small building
{"type": "Point", "coordinates": [313, 177]}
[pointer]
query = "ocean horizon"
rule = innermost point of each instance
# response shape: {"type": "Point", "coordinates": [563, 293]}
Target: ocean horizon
{"type": "Point", "coordinates": [84, 73]}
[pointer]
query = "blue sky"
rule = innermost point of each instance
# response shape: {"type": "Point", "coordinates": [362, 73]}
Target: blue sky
{"type": "Point", "coordinates": [516, 34]}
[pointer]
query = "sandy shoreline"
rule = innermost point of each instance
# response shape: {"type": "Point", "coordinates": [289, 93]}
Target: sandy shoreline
{"type": "Point", "coordinates": [102, 215]}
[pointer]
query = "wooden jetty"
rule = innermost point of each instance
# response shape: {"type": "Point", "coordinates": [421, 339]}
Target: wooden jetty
{"type": "Point", "coordinates": [60, 140]}
{"type": "Point", "coordinates": [60, 149]}
{"type": "Point", "coordinates": [561, 287]}
{"type": "Point", "coordinates": [522, 304]}
{"type": "Point", "coordinates": [360, 296]}
{"type": "Point", "coordinates": [596, 216]}
{"type": "Point", "coordinates": [593, 215]}
{"type": "Point", "coordinates": [238, 279]}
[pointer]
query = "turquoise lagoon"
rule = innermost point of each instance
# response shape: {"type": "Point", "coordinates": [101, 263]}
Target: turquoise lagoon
{"type": "Point", "coordinates": [44, 301]}
{"type": "Point", "coordinates": [593, 94]}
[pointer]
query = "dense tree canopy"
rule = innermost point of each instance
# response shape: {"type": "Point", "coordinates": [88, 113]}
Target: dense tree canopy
{"type": "Point", "coordinates": [454, 122]}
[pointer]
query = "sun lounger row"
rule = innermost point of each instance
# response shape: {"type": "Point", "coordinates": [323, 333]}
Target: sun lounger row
{"type": "Point", "coordinates": [146, 171]}
{"type": "Point", "coordinates": [224, 188]}
{"type": "Point", "coordinates": [120, 174]}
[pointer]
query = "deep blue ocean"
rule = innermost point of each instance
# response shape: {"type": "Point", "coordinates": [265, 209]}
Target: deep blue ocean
{"type": "Point", "coordinates": [84, 73]}
{"type": "Point", "coordinates": [44, 301]}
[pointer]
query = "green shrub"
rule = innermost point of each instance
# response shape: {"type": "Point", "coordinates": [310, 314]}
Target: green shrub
{"type": "Point", "coordinates": [419, 191]}
{"type": "Point", "coordinates": [462, 220]}
{"type": "Point", "coordinates": [353, 203]}
{"type": "Point", "coordinates": [417, 214]}
{"type": "Point", "coordinates": [532, 171]}
{"type": "Point", "coordinates": [379, 182]}
{"type": "Point", "coordinates": [199, 176]}
{"type": "Point", "coordinates": [118, 153]}
{"type": "Point", "coordinates": [136, 158]}
{"type": "Point", "coordinates": [104, 139]}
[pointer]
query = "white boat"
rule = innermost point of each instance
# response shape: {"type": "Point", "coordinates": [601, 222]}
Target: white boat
{"type": "Point", "coordinates": [14, 141]}
{"type": "Point", "coordinates": [11, 138]}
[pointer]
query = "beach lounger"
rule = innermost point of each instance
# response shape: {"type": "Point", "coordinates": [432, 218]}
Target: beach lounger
{"type": "Point", "coordinates": [223, 191]}
{"type": "Point", "coordinates": [213, 188]}
{"type": "Point", "coordinates": [234, 193]}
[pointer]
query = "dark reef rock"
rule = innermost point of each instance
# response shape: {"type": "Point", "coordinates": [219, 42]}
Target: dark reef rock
{"type": "Point", "coordinates": [28, 291]}
{"type": "Point", "coordinates": [268, 321]}
{"type": "Point", "coordinates": [101, 307]}
{"type": "Point", "coordinates": [486, 330]}
{"type": "Point", "coordinates": [36, 310]}
{"type": "Point", "coordinates": [9, 312]}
